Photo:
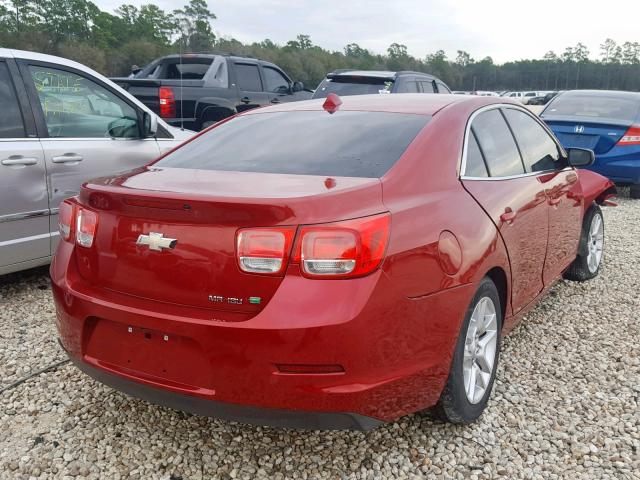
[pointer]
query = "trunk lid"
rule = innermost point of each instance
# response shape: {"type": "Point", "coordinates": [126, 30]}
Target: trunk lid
{"type": "Point", "coordinates": [202, 211]}
{"type": "Point", "coordinates": [598, 136]}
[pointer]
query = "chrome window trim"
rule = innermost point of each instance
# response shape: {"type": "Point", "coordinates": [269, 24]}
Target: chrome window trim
{"type": "Point", "coordinates": [467, 131]}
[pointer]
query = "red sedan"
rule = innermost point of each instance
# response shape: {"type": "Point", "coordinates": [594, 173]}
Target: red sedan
{"type": "Point", "coordinates": [331, 265]}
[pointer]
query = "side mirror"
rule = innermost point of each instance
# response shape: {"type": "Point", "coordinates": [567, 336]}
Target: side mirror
{"type": "Point", "coordinates": [150, 124]}
{"type": "Point", "coordinates": [580, 157]}
{"type": "Point", "coordinates": [297, 87]}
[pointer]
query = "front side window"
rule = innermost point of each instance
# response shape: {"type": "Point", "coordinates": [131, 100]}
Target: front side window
{"type": "Point", "coordinates": [442, 88]}
{"type": "Point", "coordinates": [11, 123]}
{"type": "Point", "coordinates": [427, 87]}
{"type": "Point", "coordinates": [248, 77]}
{"type": "Point", "coordinates": [497, 144]}
{"type": "Point", "coordinates": [76, 107]}
{"type": "Point", "coordinates": [539, 151]}
{"type": "Point", "coordinates": [275, 81]}
{"type": "Point", "coordinates": [345, 144]}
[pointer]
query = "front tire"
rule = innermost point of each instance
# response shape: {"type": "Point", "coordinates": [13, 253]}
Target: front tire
{"type": "Point", "coordinates": [475, 359]}
{"type": "Point", "coordinates": [590, 251]}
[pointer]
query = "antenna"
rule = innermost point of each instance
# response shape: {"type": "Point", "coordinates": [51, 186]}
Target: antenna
{"type": "Point", "coordinates": [181, 81]}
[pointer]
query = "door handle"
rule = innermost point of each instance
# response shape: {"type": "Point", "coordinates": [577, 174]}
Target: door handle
{"type": "Point", "coordinates": [275, 100]}
{"type": "Point", "coordinates": [554, 202]}
{"type": "Point", "coordinates": [508, 216]}
{"type": "Point", "coordinates": [67, 158]}
{"type": "Point", "coordinates": [19, 161]}
{"type": "Point", "coordinates": [245, 100]}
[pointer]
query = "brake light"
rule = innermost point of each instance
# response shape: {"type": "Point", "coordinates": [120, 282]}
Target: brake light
{"type": "Point", "coordinates": [631, 136]}
{"type": "Point", "coordinates": [86, 225]}
{"type": "Point", "coordinates": [352, 248]}
{"type": "Point", "coordinates": [66, 214]}
{"type": "Point", "coordinates": [264, 250]}
{"type": "Point", "coordinates": [167, 102]}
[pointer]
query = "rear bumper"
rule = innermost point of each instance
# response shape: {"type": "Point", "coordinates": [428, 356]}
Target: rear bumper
{"type": "Point", "coordinates": [232, 412]}
{"type": "Point", "coordinates": [395, 351]}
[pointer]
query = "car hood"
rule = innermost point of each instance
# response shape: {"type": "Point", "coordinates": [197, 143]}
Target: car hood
{"type": "Point", "coordinates": [179, 133]}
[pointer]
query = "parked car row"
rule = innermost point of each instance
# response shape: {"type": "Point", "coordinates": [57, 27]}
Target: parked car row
{"type": "Point", "coordinates": [165, 266]}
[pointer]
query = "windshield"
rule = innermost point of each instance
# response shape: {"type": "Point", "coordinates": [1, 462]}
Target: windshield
{"type": "Point", "coordinates": [344, 86]}
{"type": "Point", "coordinates": [584, 105]}
{"type": "Point", "coordinates": [345, 144]}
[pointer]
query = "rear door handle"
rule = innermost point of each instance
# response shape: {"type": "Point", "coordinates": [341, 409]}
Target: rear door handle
{"type": "Point", "coordinates": [19, 161]}
{"type": "Point", "coordinates": [67, 158]}
{"type": "Point", "coordinates": [245, 100]}
{"type": "Point", "coordinates": [275, 100]}
{"type": "Point", "coordinates": [508, 216]}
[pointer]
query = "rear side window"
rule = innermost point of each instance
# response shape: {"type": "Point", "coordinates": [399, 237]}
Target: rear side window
{"type": "Point", "coordinates": [497, 144]}
{"type": "Point", "coordinates": [475, 166]}
{"type": "Point", "coordinates": [408, 86]}
{"type": "Point", "coordinates": [348, 144]}
{"type": "Point", "coordinates": [624, 109]}
{"type": "Point", "coordinates": [11, 124]}
{"type": "Point", "coordinates": [539, 151]}
{"type": "Point", "coordinates": [248, 77]}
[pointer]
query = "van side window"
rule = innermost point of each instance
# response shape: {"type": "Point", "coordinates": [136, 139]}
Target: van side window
{"type": "Point", "coordinates": [11, 122]}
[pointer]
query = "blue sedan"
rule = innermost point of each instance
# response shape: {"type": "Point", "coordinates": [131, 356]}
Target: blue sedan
{"type": "Point", "coordinates": [606, 122]}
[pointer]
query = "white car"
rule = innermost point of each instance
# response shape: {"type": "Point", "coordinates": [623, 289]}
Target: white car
{"type": "Point", "coordinates": [62, 124]}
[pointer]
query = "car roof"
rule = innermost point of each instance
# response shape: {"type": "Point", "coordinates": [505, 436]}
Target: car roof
{"type": "Point", "coordinates": [388, 74]}
{"type": "Point", "coordinates": [415, 103]}
{"type": "Point", "coordinates": [603, 93]}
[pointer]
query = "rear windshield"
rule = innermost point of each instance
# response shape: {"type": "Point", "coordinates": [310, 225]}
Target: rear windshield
{"type": "Point", "coordinates": [173, 69]}
{"type": "Point", "coordinates": [344, 86]}
{"type": "Point", "coordinates": [610, 107]}
{"type": "Point", "coordinates": [345, 144]}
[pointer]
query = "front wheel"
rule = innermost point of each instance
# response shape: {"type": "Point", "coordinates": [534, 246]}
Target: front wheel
{"type": "Point", "coordinates": [587, 263]}
{"type": "Point", "coordinates": [475, 359]}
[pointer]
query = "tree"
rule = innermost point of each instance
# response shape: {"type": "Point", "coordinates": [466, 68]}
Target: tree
{"type": "Point", "coordinates": [463, 59]}
{"type": "Point", "coordinates": [610, 52]}
{"type": "Point", "coordinates": [194, 23]}
{"type": "Point", "coordinates": [302, 42]}
{"type": "Point", "coordinates": [631, 53]}
{"type": "Point", "coordinates": [397, 50]}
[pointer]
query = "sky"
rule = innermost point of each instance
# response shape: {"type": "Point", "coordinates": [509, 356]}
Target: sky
{"type": "Point", "coordinates": [504, 30]}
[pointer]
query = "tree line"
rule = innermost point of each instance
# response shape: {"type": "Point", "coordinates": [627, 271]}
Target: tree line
{"type": "Point", "coordinates": [112, 42]}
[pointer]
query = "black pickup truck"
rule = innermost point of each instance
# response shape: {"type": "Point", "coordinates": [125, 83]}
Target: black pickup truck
{"type": "Point", "coordinates": [197, 90]}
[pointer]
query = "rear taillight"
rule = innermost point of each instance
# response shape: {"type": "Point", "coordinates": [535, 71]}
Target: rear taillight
{"type": "Point", "coordinates": [167, 102]}
{"type": "Point", "coordinates": [351, 248]}
{"type": "Point", "coordinates": [631, 136]}
{"type": "Point", "coordinates": [86, 225]}
{"type": "Point", "coordinates": [66, 215]}
{"type": "Point", "coordinates": [264, 250]}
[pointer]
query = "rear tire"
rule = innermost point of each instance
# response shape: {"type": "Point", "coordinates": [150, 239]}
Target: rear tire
{"type": "Point", "coordinates": [591, 249]}
{"type": "Point", "coordinates": [634, 191]}
{"type": "Point", "coordinates": [475, 359]}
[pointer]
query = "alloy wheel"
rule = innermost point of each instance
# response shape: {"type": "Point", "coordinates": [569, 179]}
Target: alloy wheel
{"type": "Point", "coordinates": [595, 243]}
{"type": "Point", "coordinates": [480, 346]}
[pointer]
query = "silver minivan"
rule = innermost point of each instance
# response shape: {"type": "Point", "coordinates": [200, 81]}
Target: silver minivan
{"type": "Point", "coordinates": [61, 124]}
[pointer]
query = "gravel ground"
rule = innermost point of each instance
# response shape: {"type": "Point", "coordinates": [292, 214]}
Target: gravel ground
{"type": "Point", "coordinates": [565, 404]}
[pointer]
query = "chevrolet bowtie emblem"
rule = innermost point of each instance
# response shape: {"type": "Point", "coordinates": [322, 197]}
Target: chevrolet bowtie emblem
{"type": "Point", "coordinates": [156, 241]}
